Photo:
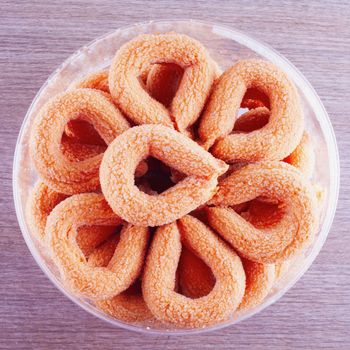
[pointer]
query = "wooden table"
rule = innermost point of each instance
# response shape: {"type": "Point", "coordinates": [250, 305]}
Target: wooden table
{"type": "Point", "coordinates": [36, 36]}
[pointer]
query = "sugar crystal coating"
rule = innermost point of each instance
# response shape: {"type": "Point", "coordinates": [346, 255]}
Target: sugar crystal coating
{"type": "Point", "coordinates": [129, 305]}
{"type": "Point", "coordinates": [159, 277]}
{"type": "Point", "coordinates": [265, 210]}
{"type": "Point", "coordinates": [176, 150]}
{"type": "Point", "coordinates": [276, 139]}
{"type": "Point", "coordinates": [275, 180]}
{"type": "Point", "coordinates": [49, 160]}
{"type": "Point", "coordinates": [95, 282]}
{"type": "Point", "coordinates": [137, 56]}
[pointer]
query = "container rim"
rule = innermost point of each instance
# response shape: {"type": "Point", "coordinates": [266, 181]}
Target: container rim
{"type": "Point", "coordinates": [321, 115]}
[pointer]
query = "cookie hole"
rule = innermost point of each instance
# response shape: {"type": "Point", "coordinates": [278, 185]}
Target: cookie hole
{"type": "Point", "coordinates": [135, 289]}
{"type": "Point", "coordinates": [254, 98]}
{"type": "Point", "coordinates": [103, 253]}
{"type": "Point", "coordinates": [158, 178]}
{"type": "Point", "coordinates": [195, 279]}
{"type": "Point", "coordinates": [89, 238]}
{"type": "Point", "coordinates": [261, 212]}
{"type": "Point", "coordinates": [241, 111]}
{"type": "Point", "coordinates": [77, 152]}
{"type": "Point", "coordinates": [254, 112]}
{"type": "Point", "coordinates": [81, 141]}
{"type": "Point", "coordinates": [163, 81]}
{"type": "Point", "coordinates": [252, 120]}
{"type": "Point", "coordinates": [83, 132]}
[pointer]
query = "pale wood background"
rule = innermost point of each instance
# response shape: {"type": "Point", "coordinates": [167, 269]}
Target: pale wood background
{"type": "Point", "coordinates": [36, 36]}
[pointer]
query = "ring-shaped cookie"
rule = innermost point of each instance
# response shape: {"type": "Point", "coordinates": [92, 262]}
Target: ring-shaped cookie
{"type": "Point", "coordinates": [42, 201]}
{"type": "Point", "coordinates": [79, 130]}
{"type": "Point", "coordinates": [127, 306]}
{"type": "Point", "coordinates": [137, 56]}
{"type": "Point", "coordinates": [302, 157]}
{"type": "Point", "coordinates": [94, 282]}
{"type": "Point", "coordinates": [175, 150]}
{"type": "Point", "coordinates": [196, 279]}
{"type": "Point", "coordinates": [48, 128]}
{"type": "Point", "coordinates": [277, 139]}
{"type": "Point", "coordinates": [277, 181]}
{"type": "Point", "coordinates": [159, 276]}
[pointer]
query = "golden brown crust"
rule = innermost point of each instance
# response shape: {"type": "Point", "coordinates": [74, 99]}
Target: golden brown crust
{"type": "Point", "coordinates": [253, 98]}
{"type": "Point", "coordinates": [76, 151]}
{"type": "Point", "coordinates": [102, 255]}
{"type": "Point", "coordinates": [89, 237]}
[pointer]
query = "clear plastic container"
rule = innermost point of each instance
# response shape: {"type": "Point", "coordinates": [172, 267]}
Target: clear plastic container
{"type": "Point", "coordinates": [226, 46]}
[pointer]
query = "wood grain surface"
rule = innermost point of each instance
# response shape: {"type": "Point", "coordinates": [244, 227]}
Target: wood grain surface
{"type": "Point", "coordinates": [36, 36]}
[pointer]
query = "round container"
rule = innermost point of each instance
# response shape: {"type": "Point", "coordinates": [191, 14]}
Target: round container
{"type": "Point", "coordinates": [226, 46]}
